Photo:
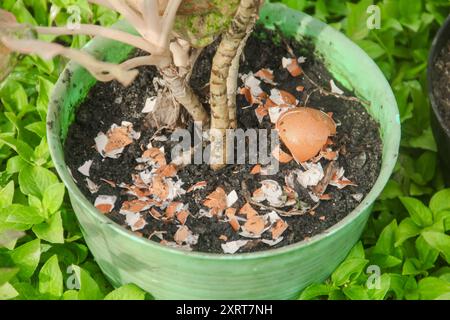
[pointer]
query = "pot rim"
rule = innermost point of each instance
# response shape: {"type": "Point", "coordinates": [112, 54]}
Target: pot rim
{"type": "Point", "coordinates": [56, 152]}
{"type": "Point", "coordinates": [436, 47]}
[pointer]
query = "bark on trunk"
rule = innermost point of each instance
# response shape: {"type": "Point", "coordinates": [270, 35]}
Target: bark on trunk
{"type": "Point", "coordinates": [222, 62]}
{"type": "Point", "coordinates": [178, 85]}
{"type": "Point", "coordinates": [232, 79]}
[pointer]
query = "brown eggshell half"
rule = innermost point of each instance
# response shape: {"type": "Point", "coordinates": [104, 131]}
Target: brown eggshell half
{"type": "Point", "coordinates": [305, 131]}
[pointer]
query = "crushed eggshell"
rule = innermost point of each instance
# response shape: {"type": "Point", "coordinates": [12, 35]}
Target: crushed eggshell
{"type": "Point", "coordinates": [261, 111]}
{"type": "Point", "coordinates": [184, 235]}
{"type": "Point", "coordinates": [254, 226]}
{"type": "Point", "coordinates": [105, 203]}
{"type": "Point", "coordinates": [278, 228]}
{"type": "Point", "coordinates": [153, 156]}
{"type": "Point", "coordinates": [112, 144]}
{"type": "Point", "coordinates": [110, 182]}
{"type": "Point", "coordinates": [272, 242]}
{"type": "Point", "coordinates": [266, 75]}
{"type": "Point", "coordinates": [292, 66]}
{"type": "Point", "coordinates": [283, 98]}
{"type": "Point", "coordinates": [173, 208]}
{"type": "Point", "coordinates": [85, 168]}
{"type": "Point", "coordinates": [230, 214]}
{"type": "Point", "coordinates": [150, 104]}
{"type": "Point", "coordinates": [335, 88]}
{"type": "Point", "coordinates": [92, 186]}
{"type": "Point", "coordinates": [216, 201]}
{"type": "Point", "coordinates": [197, 186]}
{"type": "Point", "coordinates": [167, 170]}
{"type": "Point", "coordinates": [158, 234]}
{"type": "Point", "coordinates": [155, 213]}
{"type": "Point", "coordinates": [251, 82]}
{"type": "Point", "coordinates": [248, 210]}
{"type": "Point", "coordinates": [256, 169]}
{"type": "Point", "coordinates": [160, 188]}
{"type": "Point", "coordinates": [270, 191]}
{"type": "Point", "coordinates": [339, 181]}
{"type": "Point", "coordinates": [276, 112]}
{"type": "Point", "coordinates": [182, 216]}
{"type": "Point", "coordinates": [311, 176]}
{"type": "Point", "coordinates": [135, 221]}
{"type": "Point", "coordinates": [175, 188]}
{"type": "Point", "coordinates": [232, 197]}
{"type": "Point", "coordinates": [135, 206]}
{"type": "Point", "coordinates": [233, 246]}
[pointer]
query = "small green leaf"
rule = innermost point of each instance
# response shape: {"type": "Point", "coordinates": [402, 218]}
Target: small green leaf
{"type": "Point", "coordinates": [420, 214]}
{"type": "Point", "coordinates": [424, 141]}
{"type": "Point", "coordinates": [7, 195]}
{"type": "Point", "coordinates": [23, 214]}
{"type": "Point", "coordinates": [45, 88]}
{"type": "Point", "coordinates": [412, 266]}
{"type": "Point", "coordinates": [386, 240]}
{"type": "Point", "coordinates": [6, 274]}
{"type": "Point", "coordinates": [9, 237]}
{"type": "Point", "coordinates": [426, 254]}
{"type": "Point", "coordinates": [53, 197]}
{"type": "Point", "coordinates": [22, 148]}
{"type": "Point", "coordinates": [70, 295]}
{"type": "Point", "coordinates": [438, 241]}
{"type": "Point", "coordinates": [373, 49]}
{"type": "Point", "coordinates": [51, 279]}
{"type": "Point", "coordinates": [379, 293]}
{"type": "Point", "coordinates": [357, 251]}
{"type": "Point", "coordinates": [26, 291]}
{"type": "Point", "coordinates": [35, 180]}
{"type": "Point", "coordinates": [385, 260]}
{"type": "Point", "coordinates": [440, 201]}
{"type": "Point", "coordinates": [406, 229]}
{"type": "Point", "coordinates": [126, 292]}
{"type": "Point", "coordinates": [314, 291]}
{"type": "Point", "coordinates": [15, 164]}
{"type": "Point", "coordinates": [350, 268]}
{"type": "Point", "coordinates": [50, 230]}
{"type": "Point", "coordinates": [38, 128]}
{"type": "Point", "coordinates": [392, 190]}
{"type": "Point", "coordinates": [7, 292]}
{"type": "Point", "coordinates": [357, 19]}
{"type": "Point", "coordinates": [26, 257]}
{"type": "Point", "coordinates": [431, 288]}
{"type": "Point", "coordinates": [356, 292]}
{"type": "Point", "coordinates": [89, 289]}
{"type": "Point", "coordinates": [13, 96]}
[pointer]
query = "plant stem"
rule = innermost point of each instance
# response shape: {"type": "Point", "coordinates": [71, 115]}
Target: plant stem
{"type": "Point", "coordinates": [232, 80]}
{"type": "Point", "coordinates": [178, 85]}
{"type": "Point", "coordinates": [222, 62]}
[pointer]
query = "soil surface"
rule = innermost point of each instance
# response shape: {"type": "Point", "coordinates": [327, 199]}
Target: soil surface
{"type": "Point", "coordinates": [357, 139]}
{"type": "Point", "coordinates": [441, 80]}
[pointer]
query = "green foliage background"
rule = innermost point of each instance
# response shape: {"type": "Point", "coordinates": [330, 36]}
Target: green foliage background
{"type": "Point", "coordinates": [42, 252]}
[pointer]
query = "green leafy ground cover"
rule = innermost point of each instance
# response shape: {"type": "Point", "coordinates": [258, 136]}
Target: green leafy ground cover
{"type": "Point", "coordinates": [403, 254]}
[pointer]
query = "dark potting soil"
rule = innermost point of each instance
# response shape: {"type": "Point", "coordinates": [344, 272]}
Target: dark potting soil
{"type": "Point", "coordinates": [357, 137]}
{"type": "Point", "coordinates": [441, 82]}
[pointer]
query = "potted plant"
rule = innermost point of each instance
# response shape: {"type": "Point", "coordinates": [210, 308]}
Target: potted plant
{"type": "Point", "coordinates": [302, 219]}
{"type": "Point", "coordinates": [438, 72]}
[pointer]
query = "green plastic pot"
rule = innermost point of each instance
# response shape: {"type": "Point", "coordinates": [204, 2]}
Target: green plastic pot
{"type": "Point", "coordinates": [281, 273]}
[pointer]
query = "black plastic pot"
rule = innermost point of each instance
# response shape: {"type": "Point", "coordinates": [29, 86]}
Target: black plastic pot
{"type": "Point", "coordinates": [441, 130]}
